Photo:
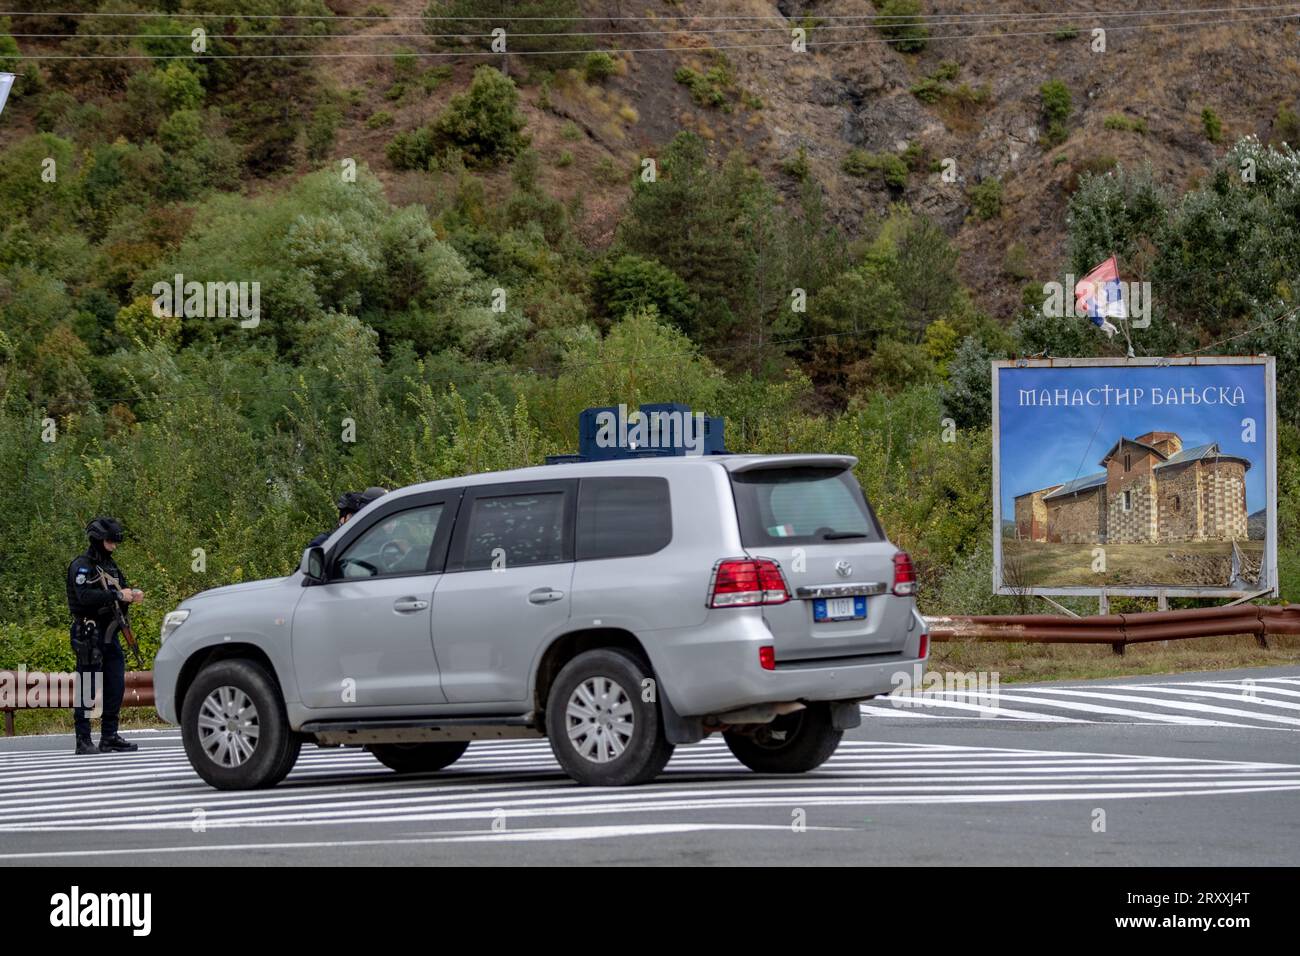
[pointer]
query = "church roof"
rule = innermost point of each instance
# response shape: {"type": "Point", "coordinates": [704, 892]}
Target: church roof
{"type": "Point", "coordinates": [1077, 485]}
{"type": "Point", "coordinates": [1130, 441]}
{"type": "Point", "coordinates": [1200, 451]}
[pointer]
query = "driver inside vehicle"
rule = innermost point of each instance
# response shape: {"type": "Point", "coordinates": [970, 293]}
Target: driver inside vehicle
{"type": "Point", "coordinates": [398, 545]}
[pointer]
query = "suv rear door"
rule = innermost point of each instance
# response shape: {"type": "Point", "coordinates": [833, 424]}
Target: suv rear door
{"type": "Point", "coordinates": [506, 590]}
{"type": "Point", "coordinates": [812, 518]}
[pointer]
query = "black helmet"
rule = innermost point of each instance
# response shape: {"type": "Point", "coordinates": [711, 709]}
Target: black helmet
{"type": "Point", "coordinates": [348, 503]}
{"type": "Point", "coordinates": [373, 493]}
{"type": "Point", "coordinates": [104, 529]}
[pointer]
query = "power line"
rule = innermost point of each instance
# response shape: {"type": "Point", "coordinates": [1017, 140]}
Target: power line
{"type": "Point", "coordinates": [935, 20]}
{"type": "Point", "coordinates": [812, 45]}
{"type": "Point", "coordinates": [873, 17]}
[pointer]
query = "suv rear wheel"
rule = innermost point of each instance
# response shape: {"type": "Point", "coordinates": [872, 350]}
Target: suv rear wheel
{"type": "Point", "coordinates": [601, 730]}
{"type": "Point", "coordinates": [794, 743]}
{"type": "Point", "coordinates": [419, 757]}
{"type": "Point", "coordinates": [235, 729]}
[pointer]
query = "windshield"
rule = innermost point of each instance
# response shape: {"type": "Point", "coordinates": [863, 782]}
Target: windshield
{"type": "Point", "coordinates": [801, 506]}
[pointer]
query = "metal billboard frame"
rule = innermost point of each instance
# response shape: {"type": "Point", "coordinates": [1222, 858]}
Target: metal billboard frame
{"type": "Point", "coordinates": [1268, 582]}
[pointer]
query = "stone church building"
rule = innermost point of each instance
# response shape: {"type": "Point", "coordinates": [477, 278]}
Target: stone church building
{"type": "Point", "coordinates": [1151, 491]}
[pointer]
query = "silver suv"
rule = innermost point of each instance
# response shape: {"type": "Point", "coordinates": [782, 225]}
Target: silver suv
{"type": "Point", "coordinates": [618, 608]}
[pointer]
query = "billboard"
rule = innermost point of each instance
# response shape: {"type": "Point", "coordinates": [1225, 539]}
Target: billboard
{"type": "Point", "coordinates": [1135, 477]}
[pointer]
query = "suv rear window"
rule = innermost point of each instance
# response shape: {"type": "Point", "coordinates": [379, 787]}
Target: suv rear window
{"type": "Point", "coordinates": [801, 506]}
{"type": "Point", "coordinates": [621, 517]}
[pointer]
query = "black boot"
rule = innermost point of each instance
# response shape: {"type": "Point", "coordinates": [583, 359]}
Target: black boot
{"type": "Point", "coordinates": [115, 744]}
{"type": "Point", "coordinates": [84, 746]}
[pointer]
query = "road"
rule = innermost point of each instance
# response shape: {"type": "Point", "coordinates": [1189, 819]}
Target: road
{"type": "Point", "coordinates": [1193, 769]}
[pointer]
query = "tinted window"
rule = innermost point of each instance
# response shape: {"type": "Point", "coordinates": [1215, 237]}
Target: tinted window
{"type": "Point", "coordinates": [618, 517]}
{"type": "Point", "coordinates": [399, 544]}
{"type": "Point", "coordinates": [514, 530]}
{"type": "Point", "coordinates": [801, 506]}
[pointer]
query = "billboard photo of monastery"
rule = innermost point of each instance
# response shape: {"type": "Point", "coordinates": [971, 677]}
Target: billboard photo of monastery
{"type": "Point", "coordinates": [1134, 477]}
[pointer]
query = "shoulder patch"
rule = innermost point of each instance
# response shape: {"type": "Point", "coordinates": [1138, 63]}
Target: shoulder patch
{"type": "Point", "coordinates": [81, 578]}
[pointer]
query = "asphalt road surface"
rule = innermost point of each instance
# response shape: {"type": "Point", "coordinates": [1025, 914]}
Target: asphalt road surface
{"type": "Point", "coordinates": [1193, 769]}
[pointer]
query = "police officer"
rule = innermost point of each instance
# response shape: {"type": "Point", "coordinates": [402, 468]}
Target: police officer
{"type": "Point", "coordinates": [91, 598]}
{"type": "Point", "coordinates": [349, 503]}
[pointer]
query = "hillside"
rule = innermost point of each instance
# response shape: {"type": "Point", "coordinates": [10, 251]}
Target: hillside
{"type": "Point", "coordinates": [455, 250]}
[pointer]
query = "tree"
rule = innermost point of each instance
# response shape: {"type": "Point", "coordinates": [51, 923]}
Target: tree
{"type": "Point", "coordinates": [968, 394]}
{"type": "Point", "coordinates": [694, 219]}
{"type": "Point", "coordinates": [632, 283]}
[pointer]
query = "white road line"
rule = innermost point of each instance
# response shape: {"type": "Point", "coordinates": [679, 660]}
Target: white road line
{"type": "Point", "coordinates": [1238, 686]}
{"type": "Point", "coordinates": [631, 830]}
{"type": "Point", "coordinates": [1123, 712]}
{"type": "Point", "coordinates": [940, 702]}
{"type": "Point", "coordinates": [1175, 705]}
{"type": "Point", "coordinates": [1242, 697]}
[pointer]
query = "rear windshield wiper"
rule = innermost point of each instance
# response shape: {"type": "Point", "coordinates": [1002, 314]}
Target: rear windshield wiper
{"type": "Point", "coordinates": [839, 535]}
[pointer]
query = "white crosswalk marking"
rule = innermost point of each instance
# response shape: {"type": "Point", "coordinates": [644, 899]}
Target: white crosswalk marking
{"type": "Point", "coordinates": [155, 789]}
{"type": "Point", "coordinates": [1263, 703]}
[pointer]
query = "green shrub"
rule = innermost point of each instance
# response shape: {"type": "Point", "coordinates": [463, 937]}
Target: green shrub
{"type": "Point", "coordinates": [598, 67]}
{"type": "Point", "coordinates": [928, 90]}
{"type": "Point", "coordinates": [483, 123]}
{"type": "Point", "coordinates": [1286, 127]}
{"type": "Point", "coordinates": [709, 88]}
{"type": "Point", "coordinates": [1212, 125]}
{"type": "Point", "coordinates": [380, 120]}
{"type": "Point", "coordinates": [900, 21]}
{"type": "Point", "coordinates": [796, 166]}
{"type": "Point", "coordinates": [322, 129]}
{"type": "Point", "coordinates": [947, 71]}
{"type": "Point", "coordinates": [1128, 124]}
{"type": "Point", "coordinates": [1055, 99]}
{"type": "Point", "coordinates": [861, 163]}
{"type": "Point", "coordinates": [986, 197]}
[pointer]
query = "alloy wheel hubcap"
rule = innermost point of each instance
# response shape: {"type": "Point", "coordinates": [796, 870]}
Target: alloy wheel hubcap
{"type": "Point", "coordinates": [228, 726]}
{"type": "Point", "coordinates": [600, 719]}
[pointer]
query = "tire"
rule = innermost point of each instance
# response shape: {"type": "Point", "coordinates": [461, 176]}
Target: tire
{"type": "Point", "coordinates": [619, 740]}
{"type": "Point", "coordinates": [419, 758]}
{"type": "Point", "coordinates": [263, 748]}
{"type": "Point", "coordinates": [794, 743]}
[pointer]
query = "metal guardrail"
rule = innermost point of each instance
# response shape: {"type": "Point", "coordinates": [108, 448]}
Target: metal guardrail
{"type": "Point", "coordinates": [138, 693]}
{"type": "Point", "coordinates": [1120, 630]}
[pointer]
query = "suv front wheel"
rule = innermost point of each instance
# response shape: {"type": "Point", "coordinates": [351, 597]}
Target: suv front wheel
{"type": "Point", "coordinates": [794, 743]}
{"type": "Point", "coordinates": [602, 730]}
{"type": "Point", "coordinates": [234, 727]}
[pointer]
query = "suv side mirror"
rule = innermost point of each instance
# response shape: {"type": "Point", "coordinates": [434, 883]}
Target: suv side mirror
{"type": "Point", "coordinates": [313, 570]}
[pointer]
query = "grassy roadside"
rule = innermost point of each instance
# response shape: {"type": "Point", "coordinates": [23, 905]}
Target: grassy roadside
{"type": "Point", "coordinates": [1036, 662]}
{"type": "Point", "coordinates": [1014, 663]}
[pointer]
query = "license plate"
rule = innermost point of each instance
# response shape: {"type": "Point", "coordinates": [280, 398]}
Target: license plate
{"type": "Point", "coordinates": [839, 609]}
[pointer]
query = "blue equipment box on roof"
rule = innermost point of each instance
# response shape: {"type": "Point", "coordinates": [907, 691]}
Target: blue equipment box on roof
{"type": "Point", "coordinates": [662, 430]}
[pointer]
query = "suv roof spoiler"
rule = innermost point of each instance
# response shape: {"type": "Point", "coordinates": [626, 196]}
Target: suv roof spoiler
{"type": "Point", "coordinates": [757, 462]}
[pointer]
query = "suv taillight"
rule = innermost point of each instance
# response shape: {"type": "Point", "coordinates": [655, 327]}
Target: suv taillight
{"type": "Point", "coordinates": [747, 582]}
{"type": "Point", "coordinates": [904, 575]}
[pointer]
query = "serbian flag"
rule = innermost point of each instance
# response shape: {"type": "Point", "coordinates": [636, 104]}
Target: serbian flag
{"type": "Point", "coordinates": [1100, 296]}
{"type": "Point", "coordinates": [6, 81]}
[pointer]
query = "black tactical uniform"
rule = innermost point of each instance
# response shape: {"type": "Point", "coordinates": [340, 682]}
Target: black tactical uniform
{"type": "Point", "coordinates": [94, 636]}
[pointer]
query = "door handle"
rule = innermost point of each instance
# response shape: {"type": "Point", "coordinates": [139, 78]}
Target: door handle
{"type": "Point", "coordinates": [408, 604]}
{"type": "Point", "coordinates": [544, 596]}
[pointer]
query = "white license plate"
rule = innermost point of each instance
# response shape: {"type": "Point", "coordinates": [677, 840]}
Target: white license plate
{"type": "Point", "coordinates": [839, 607]}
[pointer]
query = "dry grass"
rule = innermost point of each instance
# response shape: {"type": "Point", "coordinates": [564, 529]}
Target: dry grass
{"type": "Point", "coordinates": [1206, 563]}
{"type": "Point", "coordinates": [1037, 662]}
